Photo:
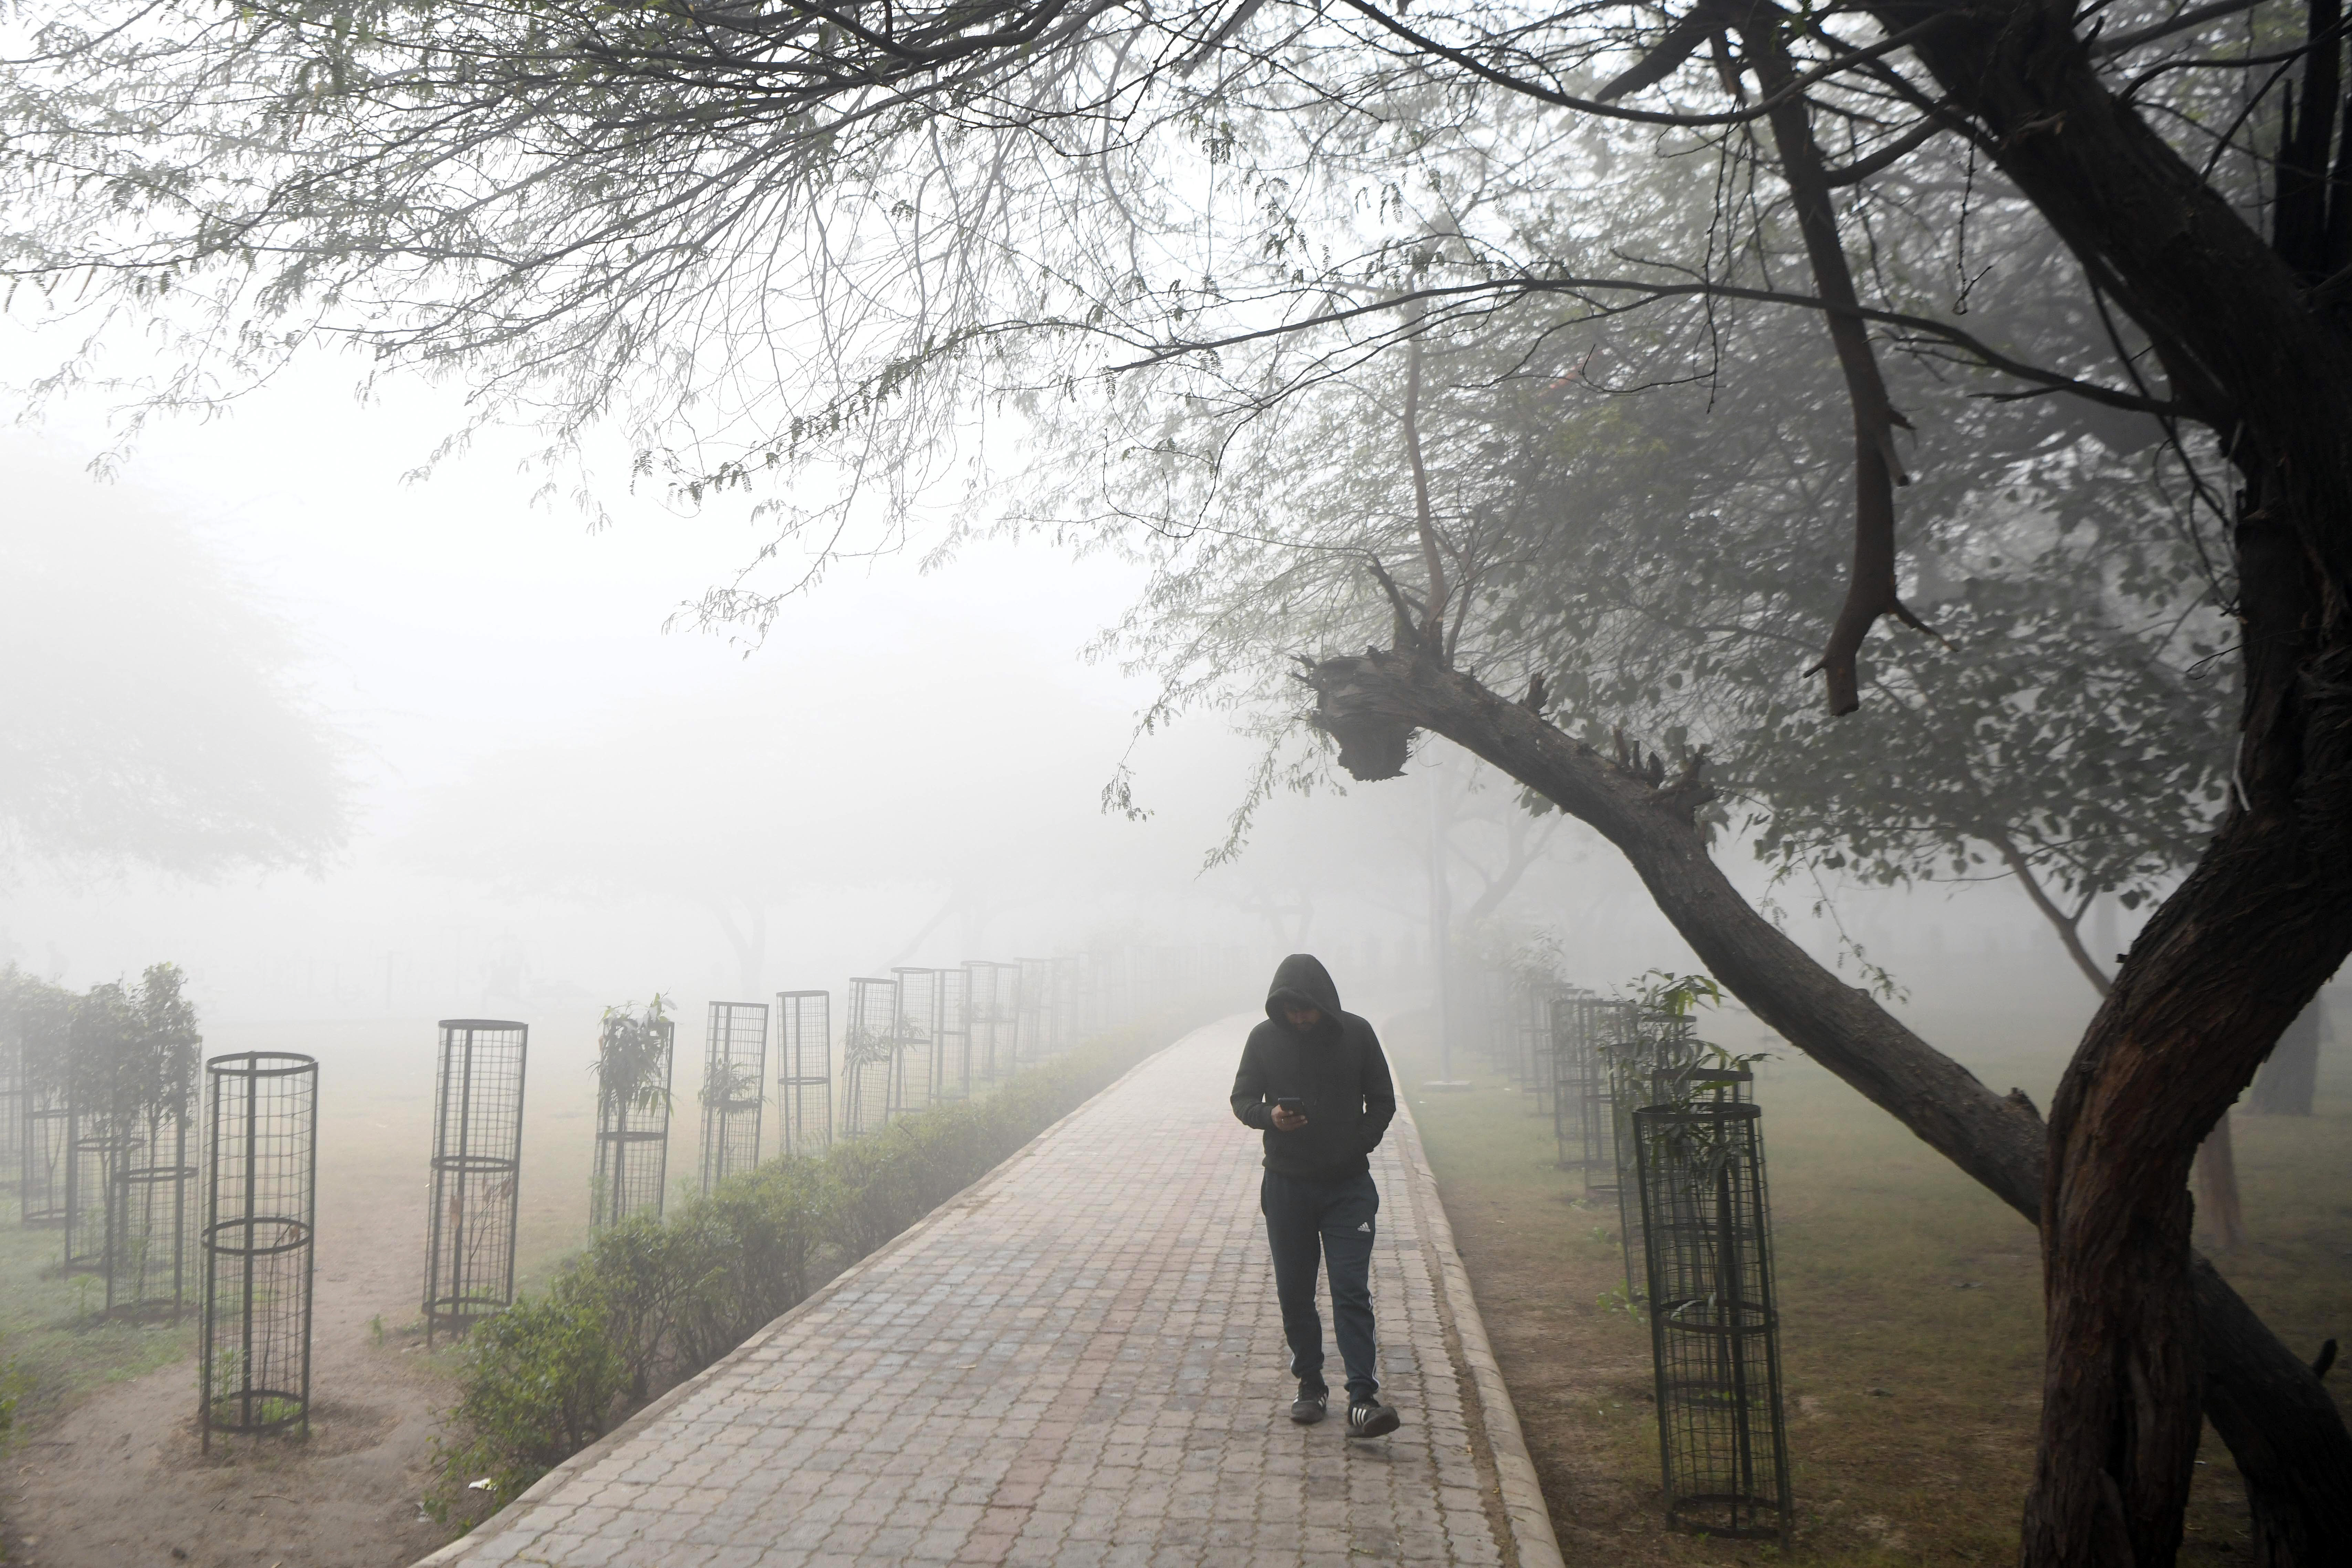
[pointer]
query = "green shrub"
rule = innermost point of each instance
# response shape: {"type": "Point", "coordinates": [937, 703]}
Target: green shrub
{"type": "Point", "coordinates": [650, 1302]}
{"type": "Point", "coordinates": [543, 1380]}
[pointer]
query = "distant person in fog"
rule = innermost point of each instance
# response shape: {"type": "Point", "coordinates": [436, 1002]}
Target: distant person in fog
{"type": "Point", "coordinates": [1313, 1079]}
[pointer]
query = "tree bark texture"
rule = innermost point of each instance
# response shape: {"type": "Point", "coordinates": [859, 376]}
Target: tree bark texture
{"type": "Point", "coordinates": [2290, 1442]}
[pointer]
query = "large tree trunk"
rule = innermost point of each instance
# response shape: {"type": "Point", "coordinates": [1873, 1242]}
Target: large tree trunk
{"type": "Point", "coordinates": [2266, 916]}
{"type": "Point", "coordinates": [2290, 1442]}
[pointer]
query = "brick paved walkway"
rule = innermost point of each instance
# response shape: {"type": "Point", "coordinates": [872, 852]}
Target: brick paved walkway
{"type": "Point", "coordinates": [1078, 1361]}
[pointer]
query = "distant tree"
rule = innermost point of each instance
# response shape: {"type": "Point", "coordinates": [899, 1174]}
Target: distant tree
{"type": "Point", "coordinates": [2288, 1079]}
{"type": "Point", "coordinates": [149, 710]}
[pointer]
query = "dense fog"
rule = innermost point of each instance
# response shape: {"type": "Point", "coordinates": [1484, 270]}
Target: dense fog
{"type": "Point", "coordinates": [510, 781]}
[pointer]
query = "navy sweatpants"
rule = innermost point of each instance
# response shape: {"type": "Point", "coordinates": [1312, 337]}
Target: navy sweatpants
{"type": "Point", "coordinates": [1313, 1225]}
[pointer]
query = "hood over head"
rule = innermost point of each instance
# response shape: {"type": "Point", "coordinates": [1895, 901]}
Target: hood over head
{"type": "Point", "coordinates": [1301, 981]}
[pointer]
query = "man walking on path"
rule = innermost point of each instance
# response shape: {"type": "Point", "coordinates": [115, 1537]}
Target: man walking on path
{"type": "Point", "coordinates": [1313, 1082]}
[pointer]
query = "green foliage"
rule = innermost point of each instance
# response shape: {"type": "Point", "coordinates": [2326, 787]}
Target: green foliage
{"type": "Point", "coordinates": [650, 1302]}
{"type": "Point", "coordinates": [127, 1054]}
{"type": "Point", "coordinates": [1669, 995]}
{"type": "Point", "coordinates": [633, 1058]}
{"type": "Point", "coordinates": [542, 1382]}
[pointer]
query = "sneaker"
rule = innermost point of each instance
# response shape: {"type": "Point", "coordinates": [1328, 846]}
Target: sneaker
{"type": "Point", "coordinates": [1307, 1408]}
{"type": "Point", "coordinates": [1372, 1420]}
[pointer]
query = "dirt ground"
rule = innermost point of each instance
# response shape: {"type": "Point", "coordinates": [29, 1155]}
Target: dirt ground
{"type": "Point", "coordinates": [1910, 1316]}
{"type": "Point", "coordinates": [117, 1479]}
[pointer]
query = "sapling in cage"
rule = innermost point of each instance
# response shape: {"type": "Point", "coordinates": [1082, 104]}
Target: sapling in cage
{"type": "Point", "coordinates": [477, 1172]}
{"type": "Point", "coordinates": [734, 1088]}
{"type": "Point", "coordinates": [98, 1041]}
{"type": "Point", "coordinates": [260, 1211]}
{"type": "Point", "coordinates": [634, 1055]}
{"type": "Point", "coordinates": [869, 1055]}
{"type": "Point", "coordinates": [805, 1070]}
{"type": "Point", "coordinates": [954, 1074]}
{"type": "Point", "coordinates": [916, 1031]}
{"type": "Point", "coordinates": [1714, 1328]}
{"type": "Point", "coordinates": [43, 1016]}
{"type": "Point", "coordinates": [149, 1200]}
{"type": "Point", "coordinates": [1656, 1031]}
{"type": "Point", "coordinates": [989, 991]}
{"type": "Point", "coordinates": [14, 1104]}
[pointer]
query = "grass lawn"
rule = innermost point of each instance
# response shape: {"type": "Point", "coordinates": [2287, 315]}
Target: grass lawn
{"type": "Point", "coordinates": [1910, 1308]}
{"type": "Point", "coordinates": [58, 1345]}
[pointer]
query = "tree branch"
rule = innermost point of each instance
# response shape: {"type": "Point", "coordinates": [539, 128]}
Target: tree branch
{"type": "Point", "coordinates": [1878, 468]}
{"type": "Point", "coordinates": [1432, 630]}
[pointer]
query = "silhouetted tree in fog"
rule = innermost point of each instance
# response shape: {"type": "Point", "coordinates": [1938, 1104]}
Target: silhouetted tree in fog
{"type": "Point", "coordinates": [149, 713]}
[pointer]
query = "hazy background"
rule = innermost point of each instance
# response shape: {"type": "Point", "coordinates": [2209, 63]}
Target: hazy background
{"type": "Point", "coordinates": [556, 804]}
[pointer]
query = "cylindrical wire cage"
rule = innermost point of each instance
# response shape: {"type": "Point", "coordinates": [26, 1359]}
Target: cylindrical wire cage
{"type": "Point", "coordinates": [49, 1126]}
{"type": "Point", "coordinates": [1714, 1328]}
{"type": "Point", "coordinates": [151, 1204]}
{"type": "Point", "coordinates": [1580, 1093]}
{"type": "Point", "coordinates": [260, 1212]}
{"type": "Point", "coordinates": [469, 1258]}
{"type": "Point", "coordinates": [804, 1071]}
{"type": "Point", "coordinates": [48, 1140]}
{"type": "Point", "coordinates": [1528, 1017]}
{"type": "Point", "coordinates": [99, 1154]}
{"type": "Point", "coordinates": [633, 1112]}
{"type": "Point", "coordinates": [954, 1051]}
{"type": "Point", "coordinates": [734, 1088]}
{"type": "Point", "coordinates": [916, 1080]}
{"type": "Point", "coordinates": [1641, 1047]}
{"type": "Point", "coordinates": [990, 994]}
{"type": "Point", "coordinates": [1033, 1027]}
{"type": "Point", "coordinates": [869, 1056]}
{"type": "Point", "coordinates": [1069, 984]}
{"type": "Point", "coordinates": [14, 1098]}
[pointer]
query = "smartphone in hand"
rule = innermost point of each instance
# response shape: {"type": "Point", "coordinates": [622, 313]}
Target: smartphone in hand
{"type": "Point", "coordinates": [1293, 1103]}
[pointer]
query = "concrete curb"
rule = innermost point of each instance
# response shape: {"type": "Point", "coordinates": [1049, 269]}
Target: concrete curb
{"type": "Point", "coordinates": [1533, 1543]}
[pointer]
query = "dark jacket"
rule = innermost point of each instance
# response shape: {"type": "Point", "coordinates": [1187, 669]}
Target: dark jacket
{"type": "Point", "coordinates": [1335, 1067]}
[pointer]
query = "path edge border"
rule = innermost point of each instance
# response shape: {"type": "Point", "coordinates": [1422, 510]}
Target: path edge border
{"type": "Point", "coordinates": [1534, 1544]}
{"type": "Point", "coordinates": [456, 1552]}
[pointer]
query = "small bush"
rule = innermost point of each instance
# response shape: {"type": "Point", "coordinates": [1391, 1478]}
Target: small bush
{"type": "Point", "coordinates": [542, 1382]}
{"type": "Point", "coordinates": [650, 1302]}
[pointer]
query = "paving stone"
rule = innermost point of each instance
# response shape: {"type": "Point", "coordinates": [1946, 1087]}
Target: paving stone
{"type": "Point", "coordinates": [1077, 1364]}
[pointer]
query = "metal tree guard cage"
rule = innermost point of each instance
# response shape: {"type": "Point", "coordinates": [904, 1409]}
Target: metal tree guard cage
{"type": "Point", "coordinates": [1644, 1050]}
{"type": "Point", "coordinates": [98, 1155]}
{"type": "Point", "coordinates": [868, 1056]}
{"type": "Point", "coordinates": [1580, 1127]}
{"type": "Point", "coordinates": [954, 1049]}
{"type": "Point", "coordinates": [916, 1082]}
{"type": "Point", "coordinates": [804, 1071]}
{"type": "Point", "coordinates": [633, 1130]}
{"type": "Point", "coordinates": [14, 1101]}
{"type": "Point", "coordinates": [991, 992]}
{"type": "Point", "coordinates": [734, 1088]}
{"type": "Point", "coordinates": [49, 1142]}
{"type": "Point", "coordinates": [1067, 1017]}
{"type": "Point", "coordinates": [469, 1257]}
{"type": "Point", "coordinates": [1033, 1026]}
{"type": "Point", "coordinates": [149, 1205]}
{"type": "Point", "coordinates": [49, 1128]}
{"type": "Point", "coordinates": [261, 1169]}
{"type": "Point", "coordinates": [1714, 1332]}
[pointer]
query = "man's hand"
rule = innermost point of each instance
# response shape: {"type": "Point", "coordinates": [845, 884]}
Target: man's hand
{"type": "Point", "coordinates": [1286, 1120]}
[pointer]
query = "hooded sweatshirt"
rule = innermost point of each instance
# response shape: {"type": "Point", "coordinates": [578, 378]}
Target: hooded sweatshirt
{"type": "Point", "coordinates": [1335, 1067]}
